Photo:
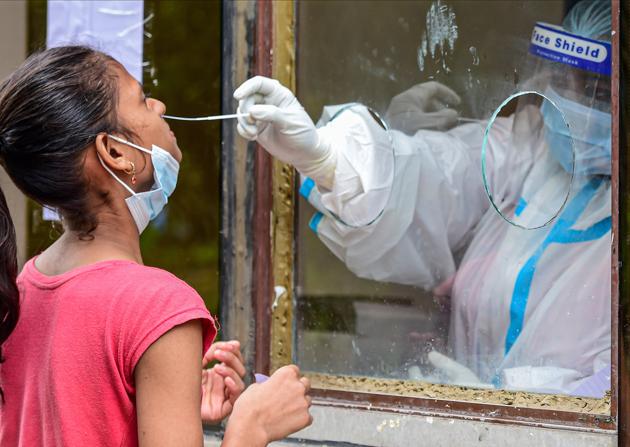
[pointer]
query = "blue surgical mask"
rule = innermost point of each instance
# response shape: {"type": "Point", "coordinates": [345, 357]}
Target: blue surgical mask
{"type": "Point", "coordinates": [145, 206]}
{"type": "Point", "coordinates": [589, 128]}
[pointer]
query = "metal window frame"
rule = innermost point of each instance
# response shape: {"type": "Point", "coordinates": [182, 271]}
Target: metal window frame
{"type": "Point", "coordinates": [258, 245]}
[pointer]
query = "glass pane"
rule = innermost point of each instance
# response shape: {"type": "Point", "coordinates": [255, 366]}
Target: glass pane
{"type": "Point", "coordinates": [442, 288]}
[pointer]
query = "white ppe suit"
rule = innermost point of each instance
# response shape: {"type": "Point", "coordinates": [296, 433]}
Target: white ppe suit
{"type": "Point", "coordinates": [530, 308]}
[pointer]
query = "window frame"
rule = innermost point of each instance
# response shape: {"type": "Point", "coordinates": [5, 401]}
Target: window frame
{"type": "Point", "coordinates": [271, 248]}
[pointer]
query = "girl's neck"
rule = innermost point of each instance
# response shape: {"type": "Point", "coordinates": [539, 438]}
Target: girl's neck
{"type": "Point", "coordinates": [109, 241]}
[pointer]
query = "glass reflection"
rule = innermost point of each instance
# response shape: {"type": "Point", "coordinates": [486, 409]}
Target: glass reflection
{"type": "Point", "coordinates": [450, 291]}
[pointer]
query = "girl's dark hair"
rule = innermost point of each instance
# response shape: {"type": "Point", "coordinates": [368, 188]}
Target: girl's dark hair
{"type": "Point", "coordinates": [51, 109]}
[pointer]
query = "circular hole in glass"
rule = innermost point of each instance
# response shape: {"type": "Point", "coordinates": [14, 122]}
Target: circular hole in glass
{"type": "Point", "coordinates": [528, 160]}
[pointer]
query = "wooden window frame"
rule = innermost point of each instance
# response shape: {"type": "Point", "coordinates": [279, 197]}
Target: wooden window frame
{"type": "Point", "coordinates": [270, 218]}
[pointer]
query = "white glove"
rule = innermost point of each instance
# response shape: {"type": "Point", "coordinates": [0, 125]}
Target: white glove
{"type": "Point", "coordinates": [281, 125]}
{"type": "Point", "coordinates": [423, 106]}
{"type": "Point", "coordinates": [457, 373]}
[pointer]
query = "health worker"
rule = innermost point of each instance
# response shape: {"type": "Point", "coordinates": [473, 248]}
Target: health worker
{"type": "Point", "coordinates": [530, 285]}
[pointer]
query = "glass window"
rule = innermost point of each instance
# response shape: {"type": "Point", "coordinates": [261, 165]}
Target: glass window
{"type": "Point", "coordinates": [447, 279]}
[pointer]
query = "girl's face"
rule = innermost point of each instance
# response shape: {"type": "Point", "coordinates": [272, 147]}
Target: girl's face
{"type": "Point", "coordinates": [143, 117]}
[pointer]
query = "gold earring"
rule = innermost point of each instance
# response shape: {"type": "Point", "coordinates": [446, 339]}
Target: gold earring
{"type": "Point", "coordinates": [132, 172]}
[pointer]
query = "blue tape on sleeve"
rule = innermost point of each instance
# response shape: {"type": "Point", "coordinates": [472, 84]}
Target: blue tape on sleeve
{"type": "Point", "coordinates": [555, 44]}
{"type": "Point", "coordinates": [520, 207]}
{"type": "Point", "coordinates": [315, 220]}
{"type": "Point", "coordinates": [307, 187]}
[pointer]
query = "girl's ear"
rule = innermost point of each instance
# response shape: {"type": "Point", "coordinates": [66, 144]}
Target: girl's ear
{"type": "Point", "coordinates": [111, 153]}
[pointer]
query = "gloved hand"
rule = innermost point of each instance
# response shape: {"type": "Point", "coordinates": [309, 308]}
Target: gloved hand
{"type": "Point", "coordinates": [456, 373]}
{"type": "Point", "coordinates": [281, 125]}
{"type": "Point", "coordinates": [423, 106]}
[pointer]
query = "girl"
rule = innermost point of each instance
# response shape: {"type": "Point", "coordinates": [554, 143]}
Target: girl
{"type": "Point", "coordinates": [97, 348]}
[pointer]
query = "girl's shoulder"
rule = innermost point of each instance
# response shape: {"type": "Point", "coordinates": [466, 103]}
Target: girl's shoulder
{"type": "Point", "coordinates": [146, 279]}
{"type": "Point", "coordinates": [108, 280]}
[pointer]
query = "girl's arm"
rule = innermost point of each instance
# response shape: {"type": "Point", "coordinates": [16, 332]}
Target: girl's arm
{"type": "Point", "coordinates": [168, 389]}
{"type": "Point", "coordinates": [168, 397]}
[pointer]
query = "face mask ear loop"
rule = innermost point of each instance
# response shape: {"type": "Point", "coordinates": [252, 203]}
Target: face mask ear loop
{"type": "Point", "coordinates": [133, 193]}
{"type": "Point", "coordinates": [129, 143]}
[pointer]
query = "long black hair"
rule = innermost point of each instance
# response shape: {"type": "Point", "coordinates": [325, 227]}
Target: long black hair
{"type": "Point", "coordinates": [51, 109]}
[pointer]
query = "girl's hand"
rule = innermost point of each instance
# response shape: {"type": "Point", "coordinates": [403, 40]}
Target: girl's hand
{"type": "Point", "coordinates": [223, 383]}
{"type": "Point", "coordinates": [270, 411]}
{"type": "Point", "coordinates": [215, 405]}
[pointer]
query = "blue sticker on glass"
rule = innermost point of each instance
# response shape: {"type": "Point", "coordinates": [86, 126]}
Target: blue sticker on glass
{"type": "Point", "coordinates": [553, 43]}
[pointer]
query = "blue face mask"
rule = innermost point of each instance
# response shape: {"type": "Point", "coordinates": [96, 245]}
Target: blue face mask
{"type": "Point", "coordinates": [590, 130]}
{"type": "Point", "coordinates": [145, 206]}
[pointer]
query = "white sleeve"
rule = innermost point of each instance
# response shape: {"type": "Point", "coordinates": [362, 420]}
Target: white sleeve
{"type": "Point", "coordinates": [540, 379]}
{"type": "Point", "coordinates": [400, 206]}
{"type": "Point", "coordinates": [555, 380]}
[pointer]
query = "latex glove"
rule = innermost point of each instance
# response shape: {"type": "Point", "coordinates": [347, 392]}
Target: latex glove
{"type": "Point", "coordinates": [423, 106]}
{"type": "Point", "coordinates": [457, 373]}
{"type": "Point", "coordinates": [281, 125]}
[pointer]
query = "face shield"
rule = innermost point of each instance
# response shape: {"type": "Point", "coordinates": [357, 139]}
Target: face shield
{"type": "Point", "coordinates": [576, 68]}
{"type": "Point", "coordinates": [560, 131]}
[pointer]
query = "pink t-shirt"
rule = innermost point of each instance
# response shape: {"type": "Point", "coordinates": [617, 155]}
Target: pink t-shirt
{"type": "Point", "coordinates": [68, 376]}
